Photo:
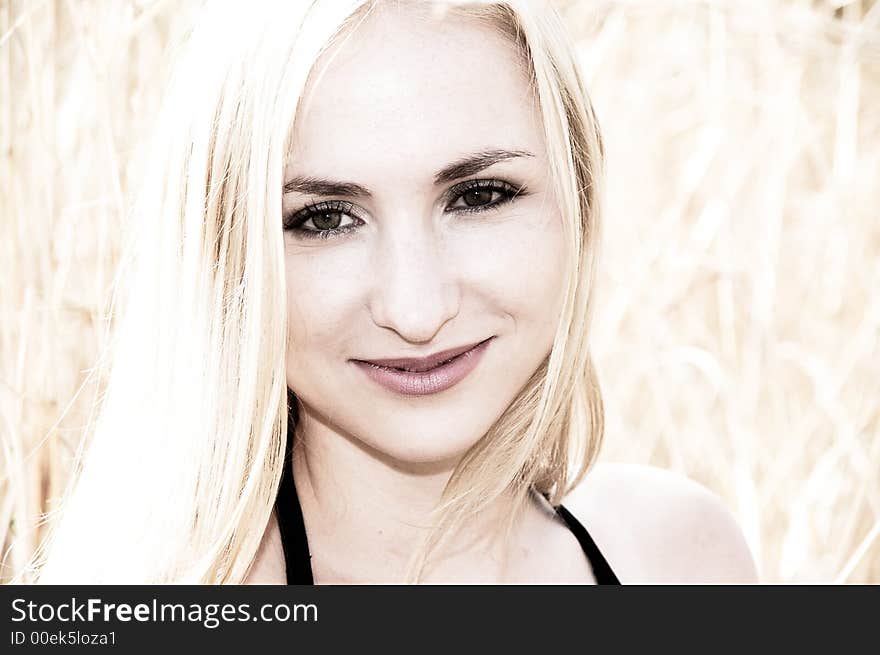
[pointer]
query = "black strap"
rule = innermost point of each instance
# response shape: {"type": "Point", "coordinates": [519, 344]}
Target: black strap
{"type": "Point", "coordinates": [298, 558]}
{"type": "Point", "coordinates": [601, 570]}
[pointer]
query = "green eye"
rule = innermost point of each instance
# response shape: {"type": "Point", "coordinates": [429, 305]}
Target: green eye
{"type": "Point", "coordinates": [482, 195]}
{"type": "Point", "coordinates": [324, 220]}
{"type": "Point", "coordinates": [478, 197]}
{"type": "Point", "coordinates": [327, 221]}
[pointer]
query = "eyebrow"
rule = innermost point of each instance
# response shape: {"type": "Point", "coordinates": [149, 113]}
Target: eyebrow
{"type": "Point", "coordinates": [476, 163]}
{"type": "Point", "coordinates": [464, 167]}
{"type": "Point", "coordinates": [320, 187]}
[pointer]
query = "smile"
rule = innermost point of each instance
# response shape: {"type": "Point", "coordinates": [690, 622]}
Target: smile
{"type": "Point", "coordinates": [412, 376]}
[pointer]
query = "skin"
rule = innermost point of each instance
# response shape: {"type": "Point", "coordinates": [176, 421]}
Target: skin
{"type": "Point", "coordinates": [396, 103]}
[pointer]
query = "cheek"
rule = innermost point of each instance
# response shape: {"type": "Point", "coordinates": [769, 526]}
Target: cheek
{"type": "Point", "coordinates": [520, 264]}
{"type": "Point", "coordinates": [322, 290]}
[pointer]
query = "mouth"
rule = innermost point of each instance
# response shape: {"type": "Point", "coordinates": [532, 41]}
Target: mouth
{"type": "Point", "coordinates": [418, 376]}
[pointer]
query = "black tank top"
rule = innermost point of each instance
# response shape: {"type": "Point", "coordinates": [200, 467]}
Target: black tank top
{"type": "Point", "coordinates": [296, 545]}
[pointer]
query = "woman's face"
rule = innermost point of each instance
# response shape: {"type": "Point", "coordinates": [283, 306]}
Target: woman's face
{"type": "Point", "coordinates": [419, 218]}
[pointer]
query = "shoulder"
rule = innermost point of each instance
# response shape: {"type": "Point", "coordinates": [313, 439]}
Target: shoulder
{"type": "Point", "coordinates": [655, 526]}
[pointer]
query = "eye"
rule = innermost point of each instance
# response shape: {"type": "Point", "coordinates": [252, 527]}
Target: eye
{"type": "Point", "coordinates": [323, 220]}
{"type": "Point", "coordinates": [481, 195]}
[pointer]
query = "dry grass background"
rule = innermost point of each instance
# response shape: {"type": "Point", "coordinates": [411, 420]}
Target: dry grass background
{"type": "Point", "coordinates": [738, 319]}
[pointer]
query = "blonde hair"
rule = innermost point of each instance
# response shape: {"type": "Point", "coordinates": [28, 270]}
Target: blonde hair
{"type": "Point", "coordinates": [186, 454]}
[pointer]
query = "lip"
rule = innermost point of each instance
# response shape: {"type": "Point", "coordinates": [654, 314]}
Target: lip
{"type": "Point", "coordinates": [424, 375]}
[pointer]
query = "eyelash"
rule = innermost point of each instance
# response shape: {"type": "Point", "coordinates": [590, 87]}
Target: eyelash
{"type": "Point", "coordinates": [294, 221]}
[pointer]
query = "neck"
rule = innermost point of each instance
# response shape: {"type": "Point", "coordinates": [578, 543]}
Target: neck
{"type": "Point", "coordinates": [365, 514]}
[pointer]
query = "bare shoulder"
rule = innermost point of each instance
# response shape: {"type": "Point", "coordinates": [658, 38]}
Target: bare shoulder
{"type": "Point", "coordinates": [655, 526]}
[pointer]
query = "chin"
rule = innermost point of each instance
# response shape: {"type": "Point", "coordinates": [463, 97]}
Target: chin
{"type": "Point", "coordinates": [423, 442]}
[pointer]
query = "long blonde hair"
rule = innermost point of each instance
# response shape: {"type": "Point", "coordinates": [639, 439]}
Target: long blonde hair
{"type": "Point", "coordinates": [186, 454]}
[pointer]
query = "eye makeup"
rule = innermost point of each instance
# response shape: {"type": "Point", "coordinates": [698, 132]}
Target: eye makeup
{"type": "Point", "coordinates": [327, 219]}
{"type": "Point", "coordinates": [334, 218]}
{"type": "Point", "coordinates": [481, 195]}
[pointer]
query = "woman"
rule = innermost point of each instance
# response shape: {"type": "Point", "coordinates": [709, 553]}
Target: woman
{"type": "Point", "coordinates": [363, 260]}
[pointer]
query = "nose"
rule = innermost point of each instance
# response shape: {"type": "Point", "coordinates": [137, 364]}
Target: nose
{"type": "Point", "coordinates": [415, 291]}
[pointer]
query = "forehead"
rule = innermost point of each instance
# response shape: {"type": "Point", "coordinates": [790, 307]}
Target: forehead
{"type": "Point", "coordinates": [409, 91]}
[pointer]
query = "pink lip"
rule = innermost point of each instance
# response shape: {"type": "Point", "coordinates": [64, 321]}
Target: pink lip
{"type": "Point", "coordinates": [424, 375]}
